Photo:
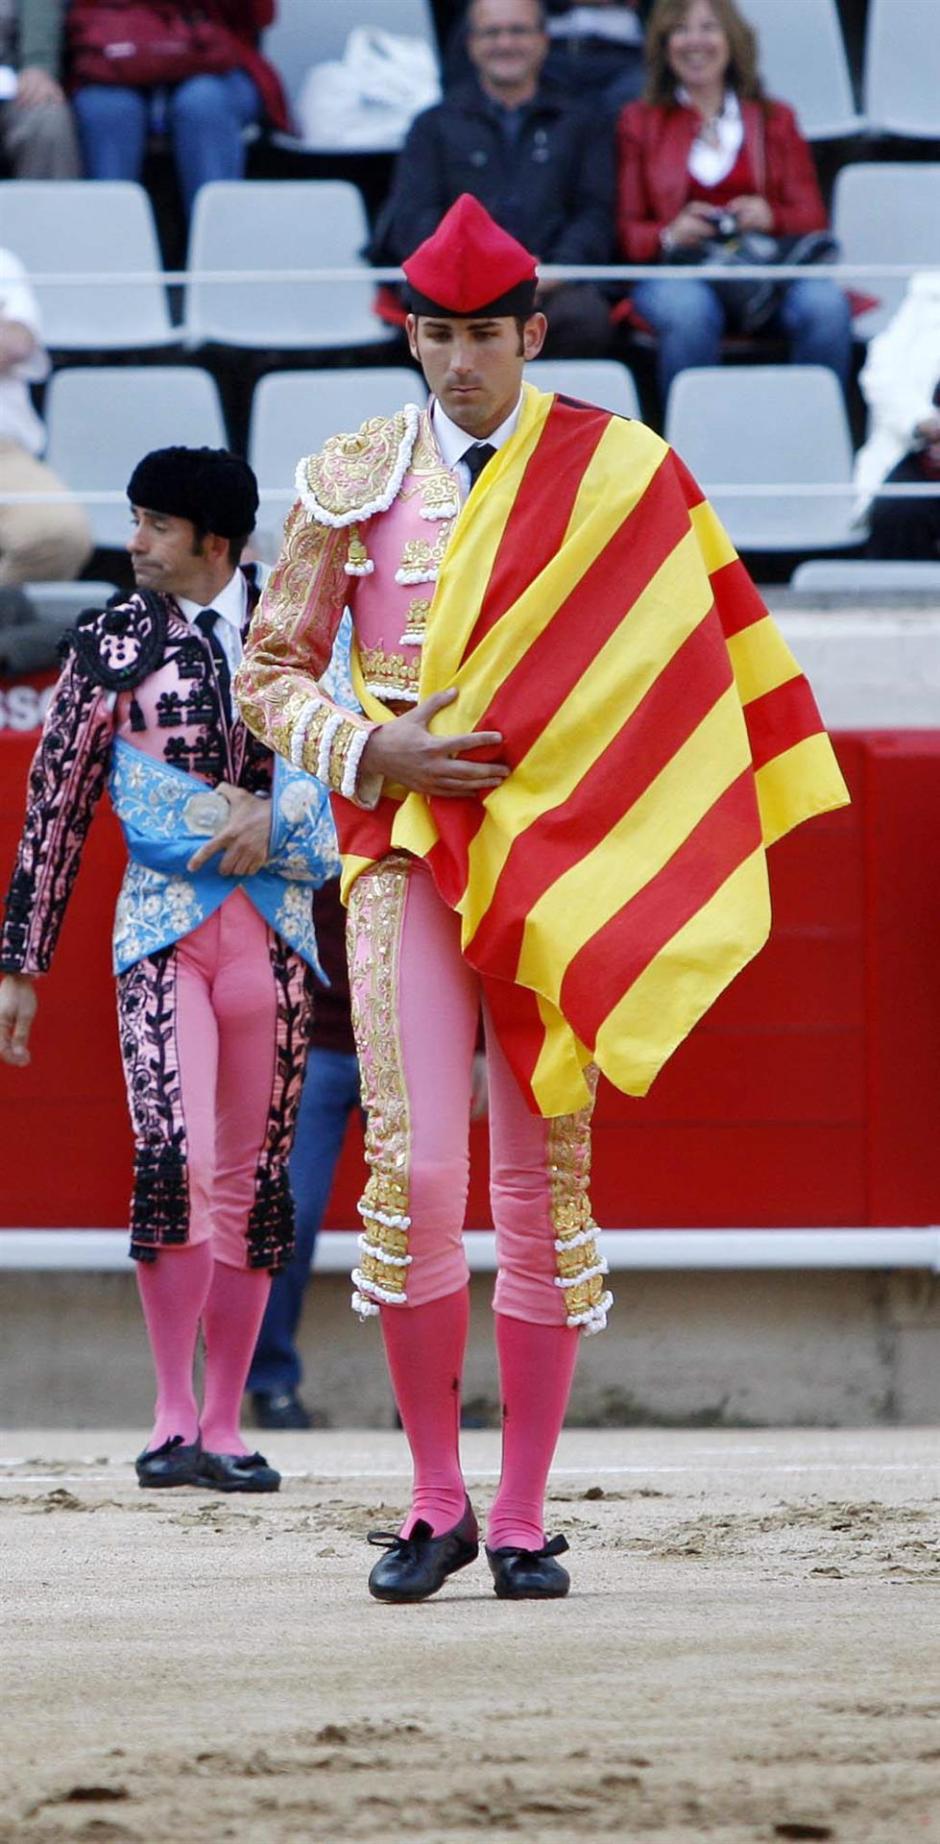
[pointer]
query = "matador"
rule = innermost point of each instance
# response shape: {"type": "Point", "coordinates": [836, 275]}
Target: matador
{"type": "Point", "coordinates": [577, 729]}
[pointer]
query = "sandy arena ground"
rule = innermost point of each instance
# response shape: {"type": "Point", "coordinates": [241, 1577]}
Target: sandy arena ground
{"type": "Point", "coordinates": [749, 1651]}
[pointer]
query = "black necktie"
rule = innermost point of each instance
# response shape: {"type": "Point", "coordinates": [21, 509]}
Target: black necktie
{"type": "Point", "coordinates": [475, 460]}
{"type": "Point", "coordinates": [206, 622]}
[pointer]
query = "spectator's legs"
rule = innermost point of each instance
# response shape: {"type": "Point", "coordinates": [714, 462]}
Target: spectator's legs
{"type": "Point", "coordinates": [112, 125]}
{"type": "Point", "coordinates": [38, 543]}
{"type": "Point", "coordinates": [40, 143]}
{"type": "Point", "coordinates": [578, 317]}
{"type": "Point", "coordinates": [905, 530]}
{"type": "Point", "coordinates": [330, 1093]}
{"type": "Point", "coordinates": [206, 117]}
{"type": "Point", "coordinates": [688, 320]}
{"type": "Point", "coordinates": [816, 318]}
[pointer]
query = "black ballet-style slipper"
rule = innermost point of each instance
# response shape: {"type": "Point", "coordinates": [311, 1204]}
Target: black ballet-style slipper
{"type": "Point", "coordinates": [530, 1574]}
{"type": "Point", "coordinates": [416, 1566]}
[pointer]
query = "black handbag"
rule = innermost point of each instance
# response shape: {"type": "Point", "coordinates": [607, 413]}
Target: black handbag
{"type": "Point", "coordinates": [751, 302]}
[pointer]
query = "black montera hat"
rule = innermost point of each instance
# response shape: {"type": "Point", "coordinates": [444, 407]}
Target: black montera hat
{"type": "Point", "coordinates": [215, 490]}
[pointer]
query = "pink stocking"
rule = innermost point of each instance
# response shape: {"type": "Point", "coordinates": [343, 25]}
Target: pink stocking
{"type": "Point", "coordinates": [536, 1367]}
{"type": "Point", "coordinates": [173, 1293]}
{"type": "Point", "coordinates": [424, 1346]}
{"type": "Point", "coordinates": [230, 1323]}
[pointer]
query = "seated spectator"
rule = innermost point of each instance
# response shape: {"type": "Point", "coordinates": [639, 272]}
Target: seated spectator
{"type": "Point", "coordinates": [532, 156]}
{"type": "Point", "coordinates": [38, 542]}
{"type": "Point", "coordinates": [703, 147]}
{"type": "Point", "coordinates": [595, 51]}
{"type": "Point", "coordinates": [37, 133]}
{"type": "Point", "coordinates": [205, 115]}
{"type": "Point", "coordinates": [900, 382]}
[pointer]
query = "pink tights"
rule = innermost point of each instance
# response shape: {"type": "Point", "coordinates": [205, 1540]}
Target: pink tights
{"type": "Point", "coordinates": [536, 1367]}
{"type": "Point", "coordinates": [425, 1346]}
{"type": "Point", "coordinates": [181, 1289]}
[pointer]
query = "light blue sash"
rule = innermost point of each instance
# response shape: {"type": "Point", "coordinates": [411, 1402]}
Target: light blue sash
{"type": "Point", "coordinates": [166, 814]}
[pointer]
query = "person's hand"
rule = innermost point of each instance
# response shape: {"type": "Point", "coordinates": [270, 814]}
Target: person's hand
{"type": "Point", "coordinates": [18, 1004]}
{"type": "Point", "coordinates": [35, 86]}
{"type": "Point", "coordinates": [928, 430]}
{"type": "Point", "coordinates": [694, 225]}
{"type": "Point", "coordinates": [245, 837]}
{"type": "Point", "coordinates": [405, 751]}
{"type": "Point", "coordinates": [752, 212]}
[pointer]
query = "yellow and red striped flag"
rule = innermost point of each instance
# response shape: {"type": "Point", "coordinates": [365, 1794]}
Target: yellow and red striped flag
{"type": "Point", "coordinates": [592, 609]}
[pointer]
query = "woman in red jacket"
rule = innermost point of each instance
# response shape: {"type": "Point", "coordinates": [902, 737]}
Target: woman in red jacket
{"type": "Point", "coordinates": [204, 116]}
{"type": "Point", "coordinates": [704, 147]}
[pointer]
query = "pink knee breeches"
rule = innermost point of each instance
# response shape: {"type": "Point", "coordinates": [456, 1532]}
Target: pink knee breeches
{"type": "Point", "coordinates": [213, 1037]}
{"type": "Point", "coordinates": [416, 1007]}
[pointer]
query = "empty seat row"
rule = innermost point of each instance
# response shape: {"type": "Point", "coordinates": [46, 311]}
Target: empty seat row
{"type": "Point", "coordinates": [243, 258]}
{"type": "Point", "coordinates": [292, 414]}
{"type": "Point", "coordinates": [783, 427]}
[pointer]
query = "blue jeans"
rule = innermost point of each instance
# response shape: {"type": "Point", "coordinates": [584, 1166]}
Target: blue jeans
{"type": "Point", "coordinates": [205, 119]}
{"type": "Point", "coordinates": [330, 1094]}
{"type": "Point", "coordinates": [689, 321]}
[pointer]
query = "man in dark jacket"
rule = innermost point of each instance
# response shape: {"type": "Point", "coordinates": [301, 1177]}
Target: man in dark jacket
{"type": "Point", "coordinates": [539, 163]}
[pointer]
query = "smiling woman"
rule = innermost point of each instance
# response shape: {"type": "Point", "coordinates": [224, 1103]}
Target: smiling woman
{"type": "Point", "coordinates": [707, 151]}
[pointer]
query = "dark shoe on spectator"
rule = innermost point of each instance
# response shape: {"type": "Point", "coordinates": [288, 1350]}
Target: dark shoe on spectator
{"type": "Point", "coordinates": [280, 1409]}
{"type": "Point", "coordinates": [415, 1567]}
{"type": "Point", "coordinates": [236, 1472]}
{"type": "Point", "coordinates": [175, 1463]}
{"type": "Point", "coordinates": [530, 1574]}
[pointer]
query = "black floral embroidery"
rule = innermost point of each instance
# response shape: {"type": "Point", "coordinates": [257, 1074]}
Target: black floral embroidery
{"type": "Point", "coordinates": [65, 783]}
{"type": "Point", "coordinates": [271, 1220]}
{"type": "Point", "coordinates": [147, 1028]}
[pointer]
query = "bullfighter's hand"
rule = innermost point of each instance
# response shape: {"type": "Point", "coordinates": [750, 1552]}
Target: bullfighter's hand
{"type": "Point", "coordinates": [18, 1004]}
{"type": "Point", "coordinates": [244, 840]}
{"type": "Point", "coordinates": [405, 751]}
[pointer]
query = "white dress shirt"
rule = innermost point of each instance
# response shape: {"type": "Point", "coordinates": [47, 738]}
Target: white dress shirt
{"type": "Point", "coordinates": [718, 142]}
{"type": "Point", "coordinates": [231, 605]}
{"type": "Point", "coordinates": [453, 442]}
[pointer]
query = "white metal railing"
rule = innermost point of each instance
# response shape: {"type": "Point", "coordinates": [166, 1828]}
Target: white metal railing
{"type": "Point", "coordinates": [566, 272]}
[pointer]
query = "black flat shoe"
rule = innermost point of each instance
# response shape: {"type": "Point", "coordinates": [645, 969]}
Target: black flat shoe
{"type": "Point", "coordinates": [175, 1463]}
{"type": "Point", "coordinates": [280, 1409]}
{"type": "Point", "coordinates": [530, 1574]}
{"type": "Point", "coordinates": [415, 1567]}
{"type": "Point", "coordinates": [236, 1472]}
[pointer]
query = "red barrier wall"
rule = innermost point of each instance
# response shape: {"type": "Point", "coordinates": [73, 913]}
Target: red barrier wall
{"type": "Point", "coordinates": [807, 1098]}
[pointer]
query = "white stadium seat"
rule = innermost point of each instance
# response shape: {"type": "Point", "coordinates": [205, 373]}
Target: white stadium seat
{"type": "Point", "coordinates": [803, 63]}
{"type": "Point", "coordinates": [902, 68]}
{"type": "Point", "coordinates": [866, 576]}
{"type": "Point", "coordinates": [89, 227]}
{"type": "Point", "coordinates": [280, 224]}
{"type": "Point", "coordinates": [887, 212]}
{"type": "Point", "coordinates": [769, 425]}
{"type": "Point", "coordinates": [600, 381]}
{"type": "Point", "coordinates": [102, 418]}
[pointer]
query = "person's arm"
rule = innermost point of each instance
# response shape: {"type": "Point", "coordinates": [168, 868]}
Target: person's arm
{"type": "Point", "coordinates": [638, 227]}
{"type": "Point", "coordinates": [587, 234]}
{"type": "Point", "coordinates": [900, 373]}
{"type": "Point", "coordinates": [289, 645]}
{"type": "Point", "coordinates": [39, 36]}
{"type": "Point", "coordinates": [792, 189]}
{"type": "Point", "coordinates": [65, 782]}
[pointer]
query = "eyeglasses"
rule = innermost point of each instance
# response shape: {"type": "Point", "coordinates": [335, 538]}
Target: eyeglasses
{"type": "Point", "coordinates": [488, 33]}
